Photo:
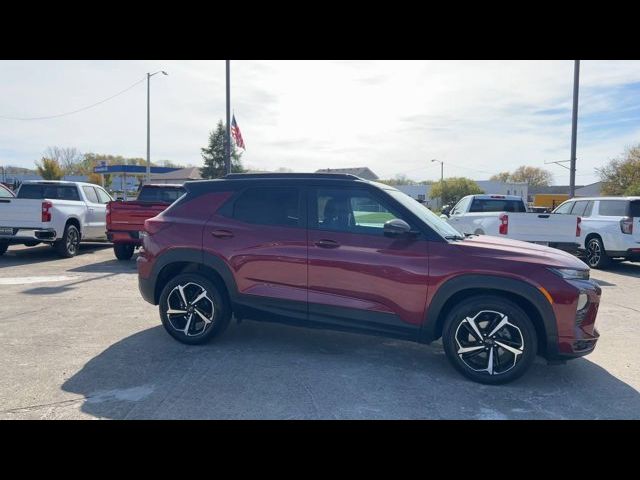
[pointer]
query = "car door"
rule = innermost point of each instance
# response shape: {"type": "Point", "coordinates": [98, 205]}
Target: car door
{"type": "Point", "coordinates": [261, 235]}
{"type": "Point", "coordinates": [358, 277]}
{"type": "Point", "coordinates": [92, 223]}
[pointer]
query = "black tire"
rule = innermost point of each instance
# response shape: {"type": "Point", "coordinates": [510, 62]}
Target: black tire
{"type": "Point", "coordinates": [595, 254]}
{"type": "Point", "coordinates": [69, 244]}
{"type": "Point", "coordinates": [3, 248]}
{"type": "Point", "coordinates": [214, 306]}
{"type": "Point", "coordinates": [486, 360]}
{"type": "Point", "coordinates": [123, 251]}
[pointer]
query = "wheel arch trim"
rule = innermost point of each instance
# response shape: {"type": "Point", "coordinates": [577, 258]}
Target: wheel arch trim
{"type": "Point", "coordinates": [433, 322]}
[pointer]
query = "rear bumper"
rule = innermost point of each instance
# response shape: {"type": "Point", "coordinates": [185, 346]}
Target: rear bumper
{"type": "Point", "coordinates": [128, 237]}
{"type": "Point", "coordinates": [146, 281]}
{"type": "Point", "coordinates": [632, 254]}
{"type": "Point", "coordinates": [22, 235]}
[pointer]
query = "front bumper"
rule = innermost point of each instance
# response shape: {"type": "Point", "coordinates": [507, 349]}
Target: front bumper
{"type": "Point", "coordinates": [577, 334]}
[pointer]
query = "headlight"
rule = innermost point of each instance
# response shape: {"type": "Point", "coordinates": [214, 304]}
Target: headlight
{"type": "Point", "coordinates": [583, 300]}
{"type": "Point", "coordinates": [571, 273]}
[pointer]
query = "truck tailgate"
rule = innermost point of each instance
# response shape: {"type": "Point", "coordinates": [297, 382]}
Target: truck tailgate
{"type": "Point", "coordinates": [130, 216]}
{"type": "Point", "coordinates": [542, 227]}
{"type": "Point", "coordinates": [21, 212]}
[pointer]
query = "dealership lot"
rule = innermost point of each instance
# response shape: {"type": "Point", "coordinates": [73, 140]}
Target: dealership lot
{"type": "Point", "coordinates": [78, 341]}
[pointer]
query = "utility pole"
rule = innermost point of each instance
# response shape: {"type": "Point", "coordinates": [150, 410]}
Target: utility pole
{"type": "Point", "coordinates": [574, 129]}
{"type": "Point", "coordinates": [441, 176]}
{"type": "Point", "coordinates": [227, 139]}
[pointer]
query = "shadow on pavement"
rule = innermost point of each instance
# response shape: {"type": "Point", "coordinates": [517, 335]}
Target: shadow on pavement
{"type": "Point", "coordinates": [45, 253]}
{"type": "Point", "coordinates": [274, 371]}
{"type": "Point", "coordinates": [629, 269]}
{"type": "Point", "coordinates": [64, 288]}
{"type": "Point", "coordinates": [114, 265]}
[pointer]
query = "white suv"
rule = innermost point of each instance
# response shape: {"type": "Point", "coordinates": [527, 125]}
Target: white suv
{"type": "Point", "coordinates": [610, 227]}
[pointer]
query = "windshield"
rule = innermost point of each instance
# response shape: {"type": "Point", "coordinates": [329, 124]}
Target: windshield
{"type": "Point", "coordinates": [424, 214]}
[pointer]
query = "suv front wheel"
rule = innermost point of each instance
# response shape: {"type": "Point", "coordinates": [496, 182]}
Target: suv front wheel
{"type": "Point", "coordinates": [489, 339]}
{"type": "Point", "coordinates": [192, 309]}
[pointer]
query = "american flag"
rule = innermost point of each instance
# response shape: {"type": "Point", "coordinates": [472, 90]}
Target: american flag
{"type": "Point", "coordinates": [235, 132]}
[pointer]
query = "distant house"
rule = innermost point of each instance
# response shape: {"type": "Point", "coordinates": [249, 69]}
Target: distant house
{"type": "Point", "coordinates": [178, 176]}
{"type": "Point", "coordinates": [362, 172]}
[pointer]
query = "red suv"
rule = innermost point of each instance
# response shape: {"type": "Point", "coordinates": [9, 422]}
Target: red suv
{"type": "Point", "coordinates": [335, 251]}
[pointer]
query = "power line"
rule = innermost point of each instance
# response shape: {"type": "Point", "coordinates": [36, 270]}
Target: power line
{"type": "Point", "coordinates": [74, 111]}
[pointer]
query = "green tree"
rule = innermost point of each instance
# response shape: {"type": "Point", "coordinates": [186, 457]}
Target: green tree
{"type": "Point", "coordinates": [453, 189]}
{"type": "Point", "coordinates": [534, 176]}
{"type": "Point", "coordinates": [49, 169]}
{"type": "Point", "coordinates": [213, 155]}
{"type": "Point", "coordinates": [621, 176]}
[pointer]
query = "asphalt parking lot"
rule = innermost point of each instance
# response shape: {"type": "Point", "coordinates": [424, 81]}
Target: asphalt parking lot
{"type": "Point", "coordinates": [79, 342]}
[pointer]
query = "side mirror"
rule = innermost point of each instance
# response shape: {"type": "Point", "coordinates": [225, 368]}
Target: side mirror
{"type": "Point", "coordinates": [396, 227]}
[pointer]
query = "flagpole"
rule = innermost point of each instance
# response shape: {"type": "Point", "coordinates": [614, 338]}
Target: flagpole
{"type": "Point", "coordinates": [227, 153]}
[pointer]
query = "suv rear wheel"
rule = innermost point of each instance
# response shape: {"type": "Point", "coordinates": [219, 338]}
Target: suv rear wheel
{"type": "Point", "coordinates": [596, 254]}
{"type": "Point", "coordinates": [489, 339]}
{"type": "Point", "coordinates": [193, 310]}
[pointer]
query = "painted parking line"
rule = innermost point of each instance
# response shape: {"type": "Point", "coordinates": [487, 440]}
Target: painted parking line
{"type": "Point", "coordinates": [40, 279]}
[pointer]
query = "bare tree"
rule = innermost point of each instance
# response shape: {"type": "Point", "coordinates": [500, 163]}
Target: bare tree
{"type": "Point", "coordinates": [69, 158]}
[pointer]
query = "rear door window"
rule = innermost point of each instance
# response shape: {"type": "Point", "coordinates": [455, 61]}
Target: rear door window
{"type": "Point", "coordinates": [613, 208]}
{"type": "Point", "coordinates": [91, 195]}
{"type": "Point", "coordinates": [269, 206]}
{"type": "Point", "coordinates": [579, 208]}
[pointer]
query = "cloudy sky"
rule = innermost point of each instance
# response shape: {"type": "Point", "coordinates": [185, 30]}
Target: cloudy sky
{"type": "Point", "coordinates": [479, 117]}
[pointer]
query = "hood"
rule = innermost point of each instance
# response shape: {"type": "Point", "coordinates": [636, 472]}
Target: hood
{"type": "Point", "coordinates": [515, 250]}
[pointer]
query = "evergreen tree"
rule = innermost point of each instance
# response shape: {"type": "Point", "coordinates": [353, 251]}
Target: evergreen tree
{"type": "Point", "coordinates": [213, 155]}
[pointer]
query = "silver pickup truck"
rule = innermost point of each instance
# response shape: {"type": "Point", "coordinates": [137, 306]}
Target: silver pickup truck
{"type": "Point", "coordinates": [56, 212]}
{"type": "Point", "coordinates": [507, 216]}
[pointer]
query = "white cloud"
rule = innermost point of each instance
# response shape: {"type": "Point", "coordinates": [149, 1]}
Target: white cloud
{"type": "Point", "coordinates": [479, 117]}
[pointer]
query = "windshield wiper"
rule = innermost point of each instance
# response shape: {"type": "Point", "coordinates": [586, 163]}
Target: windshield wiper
{"type": "Point", "coordinates": [454, 237]}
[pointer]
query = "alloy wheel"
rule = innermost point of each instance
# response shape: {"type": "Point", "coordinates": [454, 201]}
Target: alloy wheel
{"type": "Point", "coordinates": [594, 253]}
{"type": "Point", "coordinates": [72, 241]}
{"type": "Point", "coordinates": [190, 310]}
{"type": "Point", "coordinates": [488, 342]}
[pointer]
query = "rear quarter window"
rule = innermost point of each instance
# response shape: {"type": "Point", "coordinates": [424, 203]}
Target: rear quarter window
{"type": "Point", "coordinates": [634, 208]}
{"type": "Point", "coordinates": [613, 208]}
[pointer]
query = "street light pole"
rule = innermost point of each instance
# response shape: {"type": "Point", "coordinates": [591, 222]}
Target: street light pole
{"type": "Point", "coordinates": [574, 128]}
{"type": "Point", "coordinates": [149, 75]}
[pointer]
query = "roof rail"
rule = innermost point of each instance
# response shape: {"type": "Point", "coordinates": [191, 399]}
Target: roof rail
{"type": "Point", "coordinates": [335, 176]}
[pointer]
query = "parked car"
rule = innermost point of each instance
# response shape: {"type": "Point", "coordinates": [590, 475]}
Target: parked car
{"type": "Point", "coordinates": [6, 192]}
{"type": "Point", "coordinates": [610, 228]}
{"type": "Point", "coordinates": [55, 212]}
{"type": "Point", "coordinates": [507, 216]}
{"type": "Point", "coordinates": [125, 220]}
{"type": "Point", "coordinates": [335, 251]}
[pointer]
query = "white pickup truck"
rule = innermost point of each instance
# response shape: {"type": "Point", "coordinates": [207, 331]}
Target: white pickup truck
{"type": "Point", "coordinates": [507, 216]}
{"type": "Point", "coordinates": [55, 212]}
